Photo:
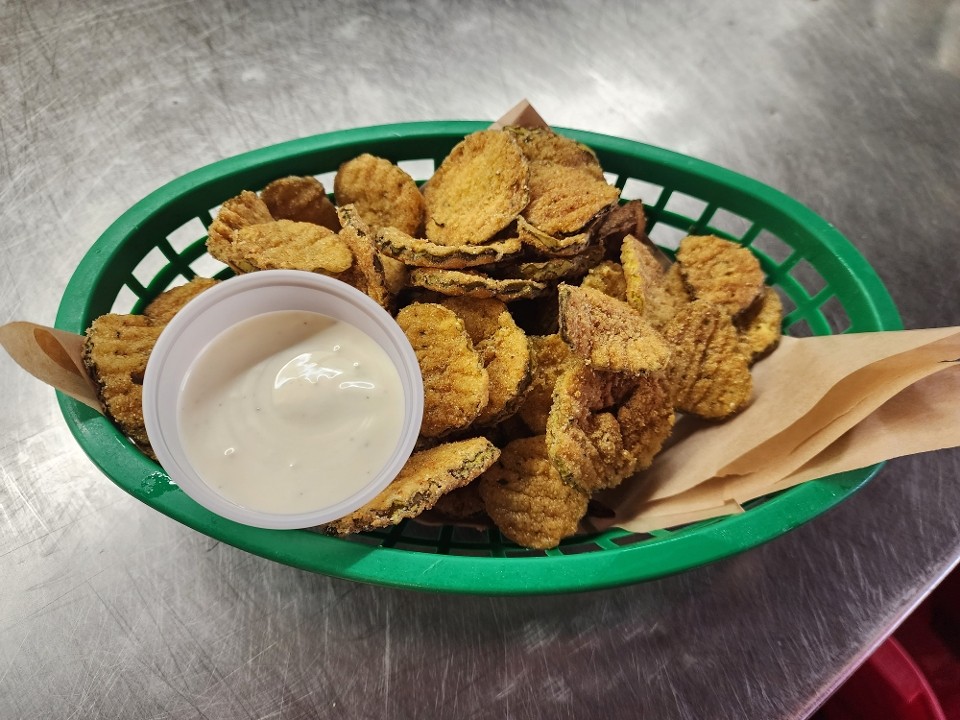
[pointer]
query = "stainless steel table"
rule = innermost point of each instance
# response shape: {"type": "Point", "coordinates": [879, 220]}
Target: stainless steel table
{"type": "Point", "coordinates": [108, 609]}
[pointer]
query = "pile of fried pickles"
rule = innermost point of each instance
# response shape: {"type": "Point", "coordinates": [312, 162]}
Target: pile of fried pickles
{"type": "Point", "coordinates": [557, 343]}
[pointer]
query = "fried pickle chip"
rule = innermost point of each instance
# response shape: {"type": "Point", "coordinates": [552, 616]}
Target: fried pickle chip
{"type": "Point", "coordinates": [544, 145]}
{"type": "Point", "coordinates": [455, 383]}
{"type": "Point", "coordinates": [644, 280]}
{"type": "Point", "coordinates": [426, 477]}
{"type": "Point", "coordinates": [622, 220]}
{"type": "Point", "coordinates": [760, 326]}
{"type": "Point", "coordinates": [302, 199]}
{"type": "Point", "coordinates": [369, 274]}
{"type": "Point", "coordinates": [551, 269]}
{"type": "Point", "coordinates": [709, 373]}
{"type": "Point", "coordinates": [526, 498]}
{"type": "Point", "coordinates": [167, 304]}
{"type": "Point", "coordinates": [479, 189]}
{"type": "Point", "coordinates": [608, 333]}
{"type": "Point", "coordinates": [474, 284]}
{"type": "Point", "coordinates": [584, 439]}
{"type": "Point", "coordinates": [542, 242]}
{"type": "Point", "coordinates": [551, 357]}
{"type": "Point", "coordinates": [646, 419]}
{"type": "Point", "coordinates": [563, 199]}
{"type": "Point", "coordinates": [504, 350]}
{"type": "Point", "coordinates": [463, 504]}
{"type": "Point", "coordinates": [238, 212]}
{"type": "Point", "coordinates": [608, 278]}
{"type": "Point", "coordinates": [722, 272]}
{"type": "Point", "coordinates": [424, 253]}
{"type": "Point", "coordinates": [384, 195]}
{"type": "Point", "coordinates": [288, 245]}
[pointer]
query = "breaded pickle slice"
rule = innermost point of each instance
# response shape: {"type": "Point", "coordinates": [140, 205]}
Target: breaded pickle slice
{"type": "Point", "coordinates": [424, 253]}
{"type": "Point", "coordinates": [550, 245]}
{"type": "Point", "coordinates": [426, 477]}
{"type": "Point", "coordinates": [721, 272]}
{"type": "Point", "coordinates": [644, 280]}
{"type": "Point", "coordinates": [608, 278]}
{"type": "Point", "coordinates": [709, 373]}
{"type": "Point", "coordinates": [288, 245]}
{"type": "Point", "coordinates": [384, 195]}
{"type": "Point", "coordinates": [564, 199]}
{"type": "Point", "coordinates": [475, 284]}
{"type": "Point", "coordinates": [455, 383]}
{"type": "Point", "coordinates": [526, 498]}
{"type": "Point", "coordinates": [479, 189]}
{"type": "Point", "coordinates": [646, 418]}
{"type": "Point", "coordinates": [303, 199]}
{"type": "Point", "coordinates": [504, 351]}
{"type": "Point", "coordinates": [167, 304]}
{"type": "Point", "coordinates": [608, 333]}
{"type": "Point", "coordinates": [552, 269]}
{"type": "Point", "coordinates": [551, 357]}
{"type": "Point", "coordinates": [544, 145]}
{"type": "Point", "coordinates": [368, 272]}
{"type": "Point", "coordinates": [760, 326]}
{"type": "Point", "coordinates": [238, 212]}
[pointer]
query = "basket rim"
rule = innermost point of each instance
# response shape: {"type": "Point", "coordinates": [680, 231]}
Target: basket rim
{"type": "Point", "coordinates": [612, 566]}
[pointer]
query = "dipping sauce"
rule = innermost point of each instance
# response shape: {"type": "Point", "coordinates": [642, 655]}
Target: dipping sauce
{"type": "Point", "coordinates": [290, 411]}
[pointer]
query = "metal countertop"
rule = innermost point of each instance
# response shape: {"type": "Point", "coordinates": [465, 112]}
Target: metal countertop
{"type": "Point", "coordinates": [108, 609]}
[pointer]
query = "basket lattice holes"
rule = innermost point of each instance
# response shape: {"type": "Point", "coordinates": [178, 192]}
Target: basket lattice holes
{"type": "Point", "coordinates": [810, 308]}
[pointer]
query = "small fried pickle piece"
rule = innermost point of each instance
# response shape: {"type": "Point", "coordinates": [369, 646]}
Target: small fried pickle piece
{"type": "Point", "coordinates": [302, 199]}
{"type": "Point", "coordinates": [474, 284]}
{"type": "Point", "coordinates": [426, 477]}
{"type": "Point", "coordinates": [503, 349]}
{"type": "Point", "coordinates": [709, 373]}
{"type": "Point", "coordinates": [115, 354]}
{"type": "Point", "coordinates": [245, 209]}
{"type": "Point", "coordinates": [608, 333]}
{"type": "Point", "coordinates": [608, 278]}
{"type": "Point", "coordinates": [384, 195]}
{"type": "Point", "coordinates": [760, 326]}
{"type": "Point", "coordinates": [455, 384]}
{"type": "Point", "coordinates": [479, 189]}
{"type": "Point", "coordinates": [721, 272]}
{"type": "Point", "coordinates": [369, 275]}
{"type": "Point", "coordinates": [167, 304]}
{"type": "Point", "coordinates": [423, 253]}
{"type": "Point", "coordinates": [551, 357]}
{"type": "Point", "coordinates": [646, 419]}
{"type": "Point", "coordinates": [644, 279]}
{"type": "Point", "coordinates": [288, 245]}
{"type": "Point", "coordinates": [584, 440]}
{"type": "Point", "coordinates": [549, 245]}
{"type": "Point", "coordinates": [526, 498]}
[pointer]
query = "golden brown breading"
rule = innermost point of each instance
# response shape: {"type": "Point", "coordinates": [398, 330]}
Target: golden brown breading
{"type": "Point", "coordinates": [368, 273]}
{"type": "Point", "coordinates": [674, 287]}
{"type": "Point", "coordinates": [115, 354]}
{"type": "Point", "coordinates": [423, 253]}
{"type": "Point", "coordinates": [646, 419]}
{"type": "Point", "coordinates": [584, 440]}
{"type": "Point", "coordinates": [565, 199]}
{"type": "Point", "coordinates": [709, 373]}
{"type": "Point", "coordinates": [760, 326]}
{"type": "Point", "coordinates": [288, 245]}
{"type": "Point", "coordinates": [526, 498]}
{"type": "Point", "coordinates": [245, 209]}
{"type": "Point", "coordinates": [550, 245]}
{"type": "Point", "coordinates": [479, 189]}
{"type": "Point", "coordinates": [721, 272]}
{"type": "Point", "coordinates": [608, 333]}
{"type": "Point", "coordinates": [455, 384]}
{"type": "Point", "coordinates": [544, 145]}
{"type": "Point", "coordinates": [551, 357]}
{"type": "Point", "coordinates": [608, 278]}
{"type": "Point", "coordinates": [426, 477]}
{"type": "Point", "coordinates": [384, 195]}
{"type": "Point", "coordinates": [644, 279]}
{"type": "Point", "coordinates": [503, 349]}
{"type": "Point", "coordinates": [303, 199]}
{"type": "Point", "coordinates": [167, 304]}
{"type": "Point", "coordinates": [474, 284]}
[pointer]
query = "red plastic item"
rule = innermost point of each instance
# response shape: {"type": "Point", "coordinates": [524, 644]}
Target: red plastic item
{"type": "Point", "coordinates": [888, 686]}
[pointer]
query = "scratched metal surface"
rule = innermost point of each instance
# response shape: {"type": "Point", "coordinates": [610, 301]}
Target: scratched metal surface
{"type": "Point", "coordinates": [108, 609]}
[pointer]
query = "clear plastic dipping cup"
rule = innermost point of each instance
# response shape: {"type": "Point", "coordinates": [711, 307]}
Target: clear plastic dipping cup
{"type": "Point", "coordinates": [230, 302]}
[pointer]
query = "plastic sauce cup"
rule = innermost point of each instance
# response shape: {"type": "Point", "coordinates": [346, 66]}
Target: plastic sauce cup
{"type": "Point", "coordinates": [230, 302]}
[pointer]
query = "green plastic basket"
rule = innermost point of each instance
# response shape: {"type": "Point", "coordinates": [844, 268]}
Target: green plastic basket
{"type": "Point", "coordinates": [826, 284]}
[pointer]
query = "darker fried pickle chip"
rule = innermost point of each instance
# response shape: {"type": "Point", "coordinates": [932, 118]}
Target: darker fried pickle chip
{"type": "Point", "coordinates": [424, 253]}
{"type": "Point", "coordinates": [551, 357]}
{"type": "Point", "coordinates": [369, 275]}
{"type": "Point", "coordinates": [608, 333]}
{"type": "Point", "coordinates": [475, 284]}
{"type": "Point", "coordinates": [427, 476]}
{"type": "Point", "coordinates": [479, 189]}
{"type": "Point", "coordinates": [288, 245]}
{"type": "Point", "coordinates": [384, 195]}
{"type": "Point", "coordinates": [760, 326]}
{"type": "Point", "coordinates": [462, 505]}
{"type": "Point", "coordinates": [238, 212]}
{"type": "Point", "coordinates": [302, 199]}
{"type": "Point", "coordinates": [709, 373]}
{"type": "Point", "coordinates": [722, 272]}
{"type": "Point", "coordinates": [455, 383]}
{"type": "Point", "coordinates": [526, 498]}
{"type": "Point", "coordinates": [504, 350]}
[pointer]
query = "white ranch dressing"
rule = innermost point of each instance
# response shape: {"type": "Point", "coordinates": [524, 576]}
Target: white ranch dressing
{"type": "Point", "coordinates": [290, 411]}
